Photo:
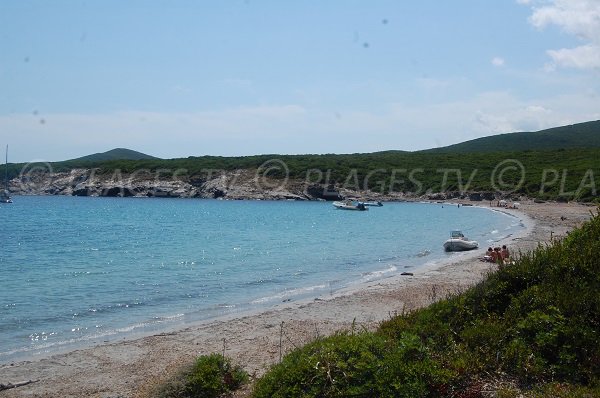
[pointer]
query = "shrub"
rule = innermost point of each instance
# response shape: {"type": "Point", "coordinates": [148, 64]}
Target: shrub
{"type": "Point", "coordinates": [357, 365]}
{"type": "Point", "coordinates": [209, 376]}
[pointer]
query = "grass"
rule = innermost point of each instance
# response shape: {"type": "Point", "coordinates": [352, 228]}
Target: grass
{"type": "Point", "coordinates": [531, 329]}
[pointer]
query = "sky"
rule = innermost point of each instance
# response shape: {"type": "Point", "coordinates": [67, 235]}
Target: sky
{"type": "Point", "coordinates": [182, 78]}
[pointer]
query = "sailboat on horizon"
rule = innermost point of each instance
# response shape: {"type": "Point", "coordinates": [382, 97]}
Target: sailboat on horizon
{"type": "Point", "coordinates": [5, 195]}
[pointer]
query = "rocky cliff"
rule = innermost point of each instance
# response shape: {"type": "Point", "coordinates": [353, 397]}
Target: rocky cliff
{"type": "Point", "coordinates": [236, 184]}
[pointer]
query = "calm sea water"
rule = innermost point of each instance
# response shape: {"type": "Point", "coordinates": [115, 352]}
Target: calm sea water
{"type": "Point", "coordinates": [86, 270]}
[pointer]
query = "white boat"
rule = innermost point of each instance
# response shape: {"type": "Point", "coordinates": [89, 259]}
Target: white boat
{"type": "Point", "coordinates": [5, 195]}
{"type": "Point", "coordinates": [350, 205]}
{"type": "Point", "coordinates": [371, 204]}
{"type": "Point", "coordinates": [458, 242]}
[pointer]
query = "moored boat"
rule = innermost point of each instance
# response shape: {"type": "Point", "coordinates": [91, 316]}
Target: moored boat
{"type": "Point", "coordinates": [350, 205]}
{"type": "Point", "coordinates": [5, 197]}
{"type": "Point", "coordinates": [458, 242]}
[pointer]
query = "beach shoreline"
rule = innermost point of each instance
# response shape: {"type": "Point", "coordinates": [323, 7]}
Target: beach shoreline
{"type": "Point", "coordinates": [126, 368]}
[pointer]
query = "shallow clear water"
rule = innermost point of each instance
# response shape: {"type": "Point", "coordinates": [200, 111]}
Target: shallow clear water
{"type": "Point", "coordinates": [83, 270]}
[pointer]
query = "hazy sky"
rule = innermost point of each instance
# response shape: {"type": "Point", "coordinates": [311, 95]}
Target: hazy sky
{"type": "Point", "coordinates": [228, 77]}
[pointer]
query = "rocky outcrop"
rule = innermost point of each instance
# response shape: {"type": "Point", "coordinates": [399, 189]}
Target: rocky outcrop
{"type": "Point", "coordinates": [475, 197]}
{"type": "Point", "coordinates": [235, 184]}
{"type": "Point", "coordinates": [238, 184]}
{"type": "Point", "coordinates": [320, 192]}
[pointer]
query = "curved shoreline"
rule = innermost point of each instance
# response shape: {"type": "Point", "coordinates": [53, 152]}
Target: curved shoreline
{"type": "Point", "coordinates": [393, 257]}
{"type": "Point", "coordinates": [252, 340]}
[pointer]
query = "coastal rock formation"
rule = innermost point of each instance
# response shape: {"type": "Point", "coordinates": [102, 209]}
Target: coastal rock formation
{"type": "Point", "coordinates": [321, 192]}
{"type": "Point", "coordinates": [238, 184]}
{"type": "Point", "coordinates": [233, 185]}
{"type": "Point", "coordinates": [479, 196]}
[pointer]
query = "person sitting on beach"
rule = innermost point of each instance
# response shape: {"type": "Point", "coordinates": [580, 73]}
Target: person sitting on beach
{"type": "Point", "coordinates": [495, 255]}
{"type": "Point", "coordinates": [489, 255]}
{"type": "Point", "coordinates": [504, 253]}
{"type": "Point", "coordinates": [498, 256]}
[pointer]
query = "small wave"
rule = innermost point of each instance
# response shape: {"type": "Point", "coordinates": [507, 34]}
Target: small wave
{"type": "Point", "coordinates": [387, 259]}
{"type": "Point", "coordinates": [369, 276]}
{"type": "Point", "coordinates": [42, 343]}
{"type": "Point", "coordinates": [261, 282]}
{"type": "Point", "coordinates": [114, 307]}
{"type": "Point", "coordinates": [168, 317]}
{"type": "Point", "coordinates": [423, 253]}
{"type": "Point", "coordinates": [287, 293]}
{"type": "Point", "coordinates": [43, 336]}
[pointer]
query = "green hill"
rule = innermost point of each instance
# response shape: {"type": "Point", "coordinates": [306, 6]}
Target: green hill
{"type": "Point", "coordinates": [568, 174]}
{"type": "Point", "coordinates": [115, 154]}
{"type": "Point", "coordinates": [559, 163]}
{"type": "Point", "coordinates": [580, 135]}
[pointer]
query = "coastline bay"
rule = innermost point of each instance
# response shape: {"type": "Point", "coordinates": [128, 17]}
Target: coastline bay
{"type": "Point", "coordinates": [81, 271]}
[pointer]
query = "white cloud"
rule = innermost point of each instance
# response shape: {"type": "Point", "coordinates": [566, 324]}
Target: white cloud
{"type": "Point", "coordinates": [515, 117]}
{"type": "Point", "coordinates": [580, 18]}
{"type": "Point", "coordinates": [497, 61]}
{"type": "Point", "coordinates": [582, 57]}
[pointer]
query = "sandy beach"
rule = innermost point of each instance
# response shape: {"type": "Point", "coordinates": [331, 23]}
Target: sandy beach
{"type": "Point", "coordinates": [128, 368]}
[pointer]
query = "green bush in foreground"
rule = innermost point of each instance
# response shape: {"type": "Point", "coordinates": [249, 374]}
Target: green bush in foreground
{"type": "Point", "coordinates": [551, 390]}
{"type": "Point", "coordinates": [535, 324]}
{"type": "Point", "coordinates": [355, 365]}
{"type": "Point", "coordinates": [209, 377]}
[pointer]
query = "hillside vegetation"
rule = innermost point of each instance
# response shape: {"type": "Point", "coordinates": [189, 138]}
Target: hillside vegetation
{"type": "Point", "coordinates": [530, 329]}
{"type": "Point", "coordinates": [114, 154]}
{"type": "Point", "coordinates": [560, 163]}
{"type": "Point", "coordinates": [572, 174]}
{"type": "Point", "coordinates": [580, 135]}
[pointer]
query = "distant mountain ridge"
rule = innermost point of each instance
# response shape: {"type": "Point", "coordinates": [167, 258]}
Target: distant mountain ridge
{"type": "Point", "coordinates": [115, 154]}
{"type": "Point", "coordinates": [580, 135]}
{"type": "Point", "coordinates": [459, 170]}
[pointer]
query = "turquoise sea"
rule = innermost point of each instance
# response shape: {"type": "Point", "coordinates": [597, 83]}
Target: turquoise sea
{"type": "Point", "coordinates": [76, 271]}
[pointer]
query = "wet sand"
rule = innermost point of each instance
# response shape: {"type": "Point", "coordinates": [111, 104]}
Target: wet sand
{"type": "Point", "coordinates": [128, 368]}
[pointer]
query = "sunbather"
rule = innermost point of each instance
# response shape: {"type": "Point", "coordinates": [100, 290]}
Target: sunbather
{"type": "Point", "coordinates": [504, 253]}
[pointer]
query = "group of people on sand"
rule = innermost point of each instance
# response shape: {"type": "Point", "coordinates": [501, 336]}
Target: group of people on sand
{"type": "Point", "coordinates": [497, 255]}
